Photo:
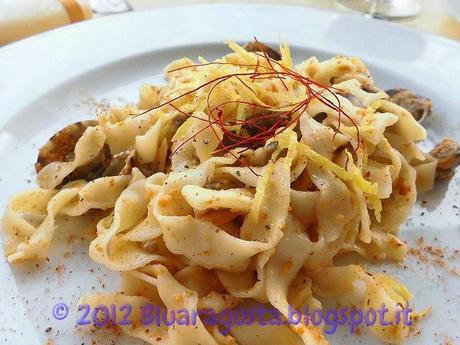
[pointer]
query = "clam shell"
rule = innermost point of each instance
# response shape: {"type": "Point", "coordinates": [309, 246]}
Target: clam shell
{"type": "Point", "coordinates": [60, 148]}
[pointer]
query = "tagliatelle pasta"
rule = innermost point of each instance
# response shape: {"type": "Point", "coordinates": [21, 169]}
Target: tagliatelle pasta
{"type": "Point", "coordinates": [237, 184]}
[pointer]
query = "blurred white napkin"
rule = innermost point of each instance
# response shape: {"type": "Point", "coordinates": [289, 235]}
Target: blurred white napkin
{"type": "Point", "coordinates": [454, 6]}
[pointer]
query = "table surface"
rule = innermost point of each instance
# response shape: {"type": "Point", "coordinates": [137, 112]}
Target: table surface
{"type": "Point", "coordinates": [434, 18]}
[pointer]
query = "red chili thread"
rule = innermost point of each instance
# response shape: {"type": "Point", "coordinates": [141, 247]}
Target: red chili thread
{"type": "Point", "coordinates": [285, 119]}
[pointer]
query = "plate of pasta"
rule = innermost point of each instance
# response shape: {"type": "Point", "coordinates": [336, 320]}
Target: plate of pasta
{"type": "Point", "coordinates": [247, 186]}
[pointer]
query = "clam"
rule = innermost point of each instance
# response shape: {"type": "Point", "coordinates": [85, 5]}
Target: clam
{"type": "Point", "coordinates": [418, 106]}
{"type": "Point", "coordinates": [121, 164]}
{"type": "Point", "coordinates": [60, 148]}
{"type": "Point", "coordinates": [447, 153]}
{"type": "Point", "coordinates": [256, 46]}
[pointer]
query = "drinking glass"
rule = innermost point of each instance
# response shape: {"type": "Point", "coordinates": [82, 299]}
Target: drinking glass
{"type": "Point", "coordinates": [384, 8]}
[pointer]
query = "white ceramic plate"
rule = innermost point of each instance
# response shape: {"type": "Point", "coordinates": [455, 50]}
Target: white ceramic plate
{"type": "Point", "coordinates": [50, 80]}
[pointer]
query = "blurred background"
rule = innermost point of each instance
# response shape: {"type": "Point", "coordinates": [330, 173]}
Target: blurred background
{"type": "Point", "coordinates": [23, 18]}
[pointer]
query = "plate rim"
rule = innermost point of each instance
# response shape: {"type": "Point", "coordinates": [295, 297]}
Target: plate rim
{"type": "Point", "coordinates": [112, 17]}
